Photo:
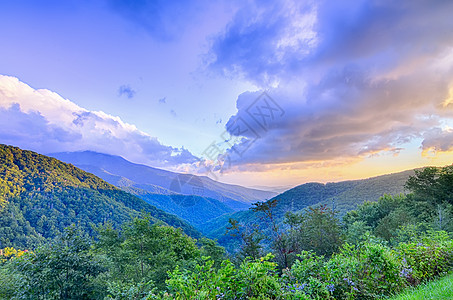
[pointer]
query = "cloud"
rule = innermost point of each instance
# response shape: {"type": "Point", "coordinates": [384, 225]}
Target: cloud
{"type": "Point", "coordinates": [438, 140]}
{"type": "Point", "coordinates": [353, 79]}
{"type": "Point", "coordinates": [127, 91]}
{"type": "Point", "coordinates": [43, 121]}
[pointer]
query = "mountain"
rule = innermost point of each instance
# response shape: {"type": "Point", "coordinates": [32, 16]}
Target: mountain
{"type": "Point", "coordinates": [122, 173]}
{"type": "Point", "coordinates": [341, 196]}
{"type": "Point", "coordinates": [39, 196]}
{"type": "Point", "coordinates": [196, 210]}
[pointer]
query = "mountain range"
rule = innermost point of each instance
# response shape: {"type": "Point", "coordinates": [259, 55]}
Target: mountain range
{"type": "Point", "coordinates": [40, 196]}
{"type": "Point", "coordinates": [340, 196]}
{"type": "Point", "coordinates": [196, 199]}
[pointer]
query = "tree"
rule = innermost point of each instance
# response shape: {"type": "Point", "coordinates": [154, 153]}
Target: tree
{"type": "Point", "coordinates": [282, 243]}
{"type": "Point", "coordinates": [432, 184]}
{"type": "Point", "coordinates": [318, 230]}
{"type": "Point", "coordinates": [63, 269]}
{"type": "Point", "coordinates": [250, 238]}
{"type": "Point", "coordinates": [210, 248]}
{"type": "Point", "coordinates": [142, 253]}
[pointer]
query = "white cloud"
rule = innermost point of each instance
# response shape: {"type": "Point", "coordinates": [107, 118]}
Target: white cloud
{"type": "Point", "coordinates": [45, 122]}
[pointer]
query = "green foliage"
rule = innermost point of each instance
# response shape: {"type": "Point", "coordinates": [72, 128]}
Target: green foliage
{"type": "Point", "coordinates": [210, 248]}
{"type": "Point", "coordinates": [368, 271]}
{"type": "Point", "coordinates": [257, 279]}
{"type": "Point", "coordinates": [11, 280]}
{"type": "Point", "coordinates": [428, 258]}
{"type": "Point", "coordinates": [205, 282]}
{"type": "Point", "coordinates": [254, 279]}
{"type": "Point", "coordinates": [357, 232]}
{"type": "Point", "coordinates": [130, 290]}
{"type": "Point", "coordinates": [441, 289]}
{"type": "Point", "coordinates": [64, 269]}
{"type": "Point", "coordinates": [41, 196]}
{"type": "Point", "coordinates": [385, 217]}
{"type": "Point", "coordinates": [317, 229]}
{"type": "Point", "coordinates": [428, 207]}
{"type": "Point", "coordinates": [306, 277]}
{"type": "Point", "coordinates": [250, 240]}
{"type": "Point", "coordinates": [143, 252]}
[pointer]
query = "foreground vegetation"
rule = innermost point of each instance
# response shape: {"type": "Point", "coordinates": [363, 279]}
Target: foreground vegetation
{"type": "Point", "coordinates": [441, 289]}
{"type": "Point", "coordinates": [159, 262]}
{"type": "Point", "coordinates": [377, 251]}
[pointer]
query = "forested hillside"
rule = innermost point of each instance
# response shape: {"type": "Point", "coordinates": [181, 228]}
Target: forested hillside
{"type": "Point", "coordinates": [341, 197]}
{"type": "Point", "coordinates": [40, 196]}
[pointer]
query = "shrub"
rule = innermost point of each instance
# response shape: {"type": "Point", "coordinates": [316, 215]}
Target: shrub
{"type": "Point", "coordinates": [255, 279]}
{"type": "Point", "coordinates": [205, 282]}
{"type": "Point", "coordinates": [368, 271]}
{"type": "Point", "coordinates": [429, 258]}
{"type": "Point", "coordinates": [307, 277]}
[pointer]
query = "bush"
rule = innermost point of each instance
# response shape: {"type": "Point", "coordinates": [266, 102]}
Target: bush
{"type": "Point", "coordinates": [369, 270]}
{"type": "Point", "coordinates": [306, 277]}
{"type": "Point", "coordinates": [429, 258]}
{"type": "Point", "coordinates": [255, 279]}
{"type": "Point", "coordinates": [205, 282]}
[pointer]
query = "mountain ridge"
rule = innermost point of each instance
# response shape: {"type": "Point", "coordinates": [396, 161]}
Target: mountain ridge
{"type": "Point", "coordinates": [41, 195]}
{"type": "Point", "coordinates": [106, 165]}
{"type": "Point", "coordinates": [341, 196]}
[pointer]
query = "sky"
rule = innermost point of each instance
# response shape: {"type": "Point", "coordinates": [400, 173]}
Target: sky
{"type": "Point", "coordinates": [256, 93]}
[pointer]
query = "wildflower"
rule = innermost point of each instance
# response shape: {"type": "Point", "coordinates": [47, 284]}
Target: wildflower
{"type": "Point", "coordinates": [302, 286]}
{"type": "Point", "coordinates": [405, 272]}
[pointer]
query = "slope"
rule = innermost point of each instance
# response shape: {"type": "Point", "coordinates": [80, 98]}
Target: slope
{"type": "Point", "coordinates": [341, 196]}
{"type": "Point", "coordinates": [194, 209]}
{"type": "Point", "coordinates": [40, 196]}
{"type": "Point", "coordinates": [118, 171]}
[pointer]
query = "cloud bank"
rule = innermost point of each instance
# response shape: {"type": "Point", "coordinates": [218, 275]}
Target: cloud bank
{"type": "Point", "coordinates": [355, 79]}
{"type": "Point", "coordinates": [43, 121]}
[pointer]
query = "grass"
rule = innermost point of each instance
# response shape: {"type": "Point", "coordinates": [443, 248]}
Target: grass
{"type": "Point", "coordinates": [438, 290]}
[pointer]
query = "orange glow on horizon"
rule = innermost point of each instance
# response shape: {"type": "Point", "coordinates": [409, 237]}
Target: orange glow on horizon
{"type": "Point", "coordinates": [289, 175]}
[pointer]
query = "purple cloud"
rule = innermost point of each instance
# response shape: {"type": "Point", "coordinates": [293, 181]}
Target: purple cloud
{"type": "Point", "coordinates": [354, 78]}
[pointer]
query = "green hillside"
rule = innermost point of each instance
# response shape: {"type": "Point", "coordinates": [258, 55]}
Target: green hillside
{"type": "Point", "coordinates": [343, 196]}
{"type": "Point", "coordinates": [39, 196]}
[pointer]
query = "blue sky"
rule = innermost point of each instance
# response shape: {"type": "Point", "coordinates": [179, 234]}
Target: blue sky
{"type": "Point", "coordinates": [358, 88]}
